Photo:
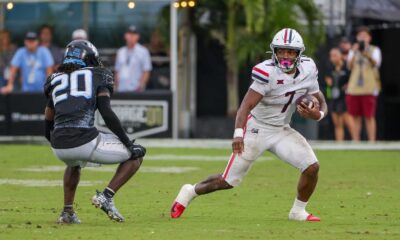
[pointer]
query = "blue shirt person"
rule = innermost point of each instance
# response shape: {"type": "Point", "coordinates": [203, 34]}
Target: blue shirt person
{"type": "Point", "coordinates": [133, 64]}
{"type": "Point", "coordinates": [34, 63]}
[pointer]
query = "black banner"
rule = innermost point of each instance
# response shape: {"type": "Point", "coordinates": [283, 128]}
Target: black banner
{"type": "Point", "coordinates": [146, 114]}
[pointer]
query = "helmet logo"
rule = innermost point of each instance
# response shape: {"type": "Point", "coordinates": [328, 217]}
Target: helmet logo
{"type": "Point", "coordinates": [288, 36]}
{"type": "Point", "coordinates": [76, 52]}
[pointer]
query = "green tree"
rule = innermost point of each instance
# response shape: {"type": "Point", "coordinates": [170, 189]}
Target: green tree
{"type": "Point", "coordinates": [249, 26]}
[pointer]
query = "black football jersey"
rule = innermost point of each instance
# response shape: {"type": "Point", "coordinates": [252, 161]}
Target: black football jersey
{"type": "Point", "coordinates": [73, 97]}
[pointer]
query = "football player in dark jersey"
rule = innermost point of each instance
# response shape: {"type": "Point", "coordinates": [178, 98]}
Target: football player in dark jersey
{"type": "Point", "coordinates": [79, 87]}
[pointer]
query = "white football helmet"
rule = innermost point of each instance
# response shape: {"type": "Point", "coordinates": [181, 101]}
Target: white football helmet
{"type": "Point", "coordinates": [287, 38]}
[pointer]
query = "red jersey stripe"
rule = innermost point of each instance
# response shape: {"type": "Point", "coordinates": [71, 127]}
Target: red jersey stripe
{"type": "Point", "coordinates": [229, 165]}
{"type": "Point", "coordinates": [233, 156]}
{"type": "Point", "coordinates": [261, 71]}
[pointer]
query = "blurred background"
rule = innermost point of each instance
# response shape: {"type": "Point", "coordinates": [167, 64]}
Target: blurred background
{"type": "Point", "coordinates": [192, 59]}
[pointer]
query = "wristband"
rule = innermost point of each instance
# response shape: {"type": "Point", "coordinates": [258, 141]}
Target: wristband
{"type": "Point", "coordinates": [238, 133]}
{"type": "Point", "coordinates": [322, 115]}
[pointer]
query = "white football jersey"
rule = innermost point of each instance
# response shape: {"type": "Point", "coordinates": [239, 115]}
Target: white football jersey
{"type": "Point", "coordinates": [281, 90]}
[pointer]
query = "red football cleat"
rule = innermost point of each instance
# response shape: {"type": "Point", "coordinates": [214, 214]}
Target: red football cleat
{"type": "Point", "coordinates": [312, 218]}
{"type": "Point", "coordinates": [177, 209]}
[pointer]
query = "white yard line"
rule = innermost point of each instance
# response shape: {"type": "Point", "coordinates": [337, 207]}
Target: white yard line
{"type": "Point", "coordinates": [169, 157]}
{"type": "Point", "coordinates": [172, 169]}
{"type": "Point", "coordinates": [44, 183]}
{"type": "Point", "coordinates": [224, 143]}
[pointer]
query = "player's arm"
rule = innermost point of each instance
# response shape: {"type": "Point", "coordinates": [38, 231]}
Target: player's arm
{"type": "Point", "coordinates": [251, 99]}
{"type": "Point", "coordinates": [323, 106]}
{"type": "Point", "coordinates": [113, 123]}
{"type": "Point", "coordinates": [49, 119]}
{"type": "Point", "coordinates": [318, 111]}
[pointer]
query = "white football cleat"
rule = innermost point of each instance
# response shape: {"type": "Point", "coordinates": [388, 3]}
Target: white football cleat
{"type": "Point", "coordinates": [303, 216]}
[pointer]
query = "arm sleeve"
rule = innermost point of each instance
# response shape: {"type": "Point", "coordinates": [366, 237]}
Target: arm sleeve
{"type": "Point", "coordinates": [111, 120]}
{"type": "Point", "coordinates": [49, 124]}
{"type": "Point", "coordinates": [259, 87]}
{"type": "Point", "coordinates": [106, 78]}
{"type": "Point", "coordinates": [50, 103]}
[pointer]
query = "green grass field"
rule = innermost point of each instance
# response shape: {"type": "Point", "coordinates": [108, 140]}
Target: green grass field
{"type": "Point", "coordinates": [358, 197]}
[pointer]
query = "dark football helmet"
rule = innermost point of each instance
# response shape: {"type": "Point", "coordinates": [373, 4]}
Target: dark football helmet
{"type": "Point", "coordinates": [82, 52]}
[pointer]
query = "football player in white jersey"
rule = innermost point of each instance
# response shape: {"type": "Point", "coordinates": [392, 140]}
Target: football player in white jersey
{"type": "Point", "coordinates": [262, 123]}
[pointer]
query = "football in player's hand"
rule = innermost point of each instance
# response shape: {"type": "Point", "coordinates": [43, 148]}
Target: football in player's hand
{"type": "Point", "coordinates": [309, 100]}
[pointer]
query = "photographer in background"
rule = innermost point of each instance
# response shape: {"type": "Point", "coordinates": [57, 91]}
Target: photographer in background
{"type": "Point", "coordinates": [363, 88]}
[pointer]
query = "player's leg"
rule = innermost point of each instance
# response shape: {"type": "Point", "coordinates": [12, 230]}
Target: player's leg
{"type": "Point", "coordinates": [110, 150]}
{"type": "Point", "coordinates": [123, 173]}
{"type": "Point", "coordinates": [236, 169]}
{"type": "Point", "coordinates": [307, 182]}
{"type": "Point", "coordinates": [293, 148]}
{"type": "Point", "coordinates": [71, 180]}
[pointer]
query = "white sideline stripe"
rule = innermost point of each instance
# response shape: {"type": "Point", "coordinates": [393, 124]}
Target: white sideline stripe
{"type": "Point", "coordinates": [44, 183]}
{"type": "Point", "coordinates": [172, 169]}
{"type": "Point", "coordinates": [170, 157]}
{"type": "Point", "coordinates": [224, 143]}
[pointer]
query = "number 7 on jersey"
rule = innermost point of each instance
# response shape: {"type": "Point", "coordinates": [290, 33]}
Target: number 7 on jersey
{"type": "Point", "coordinates": [290, 95]}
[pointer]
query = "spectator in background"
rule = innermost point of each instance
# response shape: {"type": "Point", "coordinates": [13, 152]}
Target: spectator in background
{"type": "Point", "coordinates": [46, 40]}
{"type": "Point", "coordinates": [159, 78]}
{"type": "Point", "coordinates": [7, 50]}
{"type": "Point", "coordinates": [34, 62]}
{"type": "Point", "coordinates": [345, 47]}
{"type": "Point", "coordinates": [79, 34]}
{"type": "Point", "coordinates": [364, 84]}
{"type": "Point", "coordinates": [133, 64]}
{"type": "Point", "coordinates": [336, 81]}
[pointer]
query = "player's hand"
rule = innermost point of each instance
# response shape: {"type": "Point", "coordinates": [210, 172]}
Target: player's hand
{"type": "Point", "coordinates": [306, 112]}
{"type": "Point", "coordinates": [238, 145]}
{"type": "Point", "coordinates": [137, 150]}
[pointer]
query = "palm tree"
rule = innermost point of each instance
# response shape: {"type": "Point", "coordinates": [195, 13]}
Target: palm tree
{"type": "Point", "coordinates": [251, 24]}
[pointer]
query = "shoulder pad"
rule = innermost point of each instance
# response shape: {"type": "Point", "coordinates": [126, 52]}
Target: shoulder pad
{"type": "Point", "coordinates": [105, 78]}
{"type": "Point", "coordinates": [309, 66]}
{"type": "Point", "coordinates": [261, 72]}
{"type": "Point", "coordinates": [47, 85]}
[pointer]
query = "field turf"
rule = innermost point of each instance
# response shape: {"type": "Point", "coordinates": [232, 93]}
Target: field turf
{"type": "Point", "coordinates": [358, 197]}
